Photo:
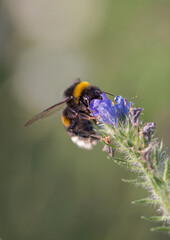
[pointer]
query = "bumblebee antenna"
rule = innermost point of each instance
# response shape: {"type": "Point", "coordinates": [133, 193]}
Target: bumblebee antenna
{"type": "Point", "coordinates": [134, 97]}
{"type": "Point", "coordinates": [106, 93]}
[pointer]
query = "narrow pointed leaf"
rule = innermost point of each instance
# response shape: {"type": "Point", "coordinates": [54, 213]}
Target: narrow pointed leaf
{"type": "Point", "coordinates": [128, 166]}
{"type": "Point", "coordinates": [158, 181]}
{"type": "Point", "coordinates": [110, 145]}
{"type": "Point", "coordinates": [157, 218]}
{"type": "Point", "coordinates": [161, 229]}
{"type": "Point", "coordinates": [145, 201]}
{"type": "Point", "coordinates": [166, 168]}
{"type": "Point", "coordinates": [122, 133]}
{"type": "Point", "coordinates": [136, 182]}
{"type": "Point", "coordinates": [123, 160]}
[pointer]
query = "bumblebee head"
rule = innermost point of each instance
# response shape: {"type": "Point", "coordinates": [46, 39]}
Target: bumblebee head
{"type": "Point", "coordinates": [76, 90]}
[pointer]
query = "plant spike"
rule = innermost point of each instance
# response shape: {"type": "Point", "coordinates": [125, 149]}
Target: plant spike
{"type": "Point", "coordinates": [121, 130]}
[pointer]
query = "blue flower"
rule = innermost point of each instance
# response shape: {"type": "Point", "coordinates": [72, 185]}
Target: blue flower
{"type": "Point", "coordinates": [122, 106]}
{"type": "Point", "coordinates": [103, 110]}
{"type": "Point", "coordinates": [107, 112]}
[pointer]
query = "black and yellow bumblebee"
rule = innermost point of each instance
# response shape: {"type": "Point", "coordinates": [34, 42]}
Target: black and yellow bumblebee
{"type": "Point", "coordinates": [76, 114]}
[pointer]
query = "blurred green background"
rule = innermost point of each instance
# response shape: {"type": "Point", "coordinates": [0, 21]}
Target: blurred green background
{"type": "Point", "coordinates": [49, 188]}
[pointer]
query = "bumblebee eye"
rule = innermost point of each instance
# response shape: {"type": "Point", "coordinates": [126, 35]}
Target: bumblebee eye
{"type": "Point", "coordinates": [98, 94]}
{"type": "Point", "coordinates": [86, 100]}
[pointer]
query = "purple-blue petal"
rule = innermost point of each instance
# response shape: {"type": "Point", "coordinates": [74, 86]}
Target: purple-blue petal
{"type": "Point", "coordinates": [103, 110]}
{"type": "Point", "coordinates": [107, 112]}
{"type": "Point", "coordinates": [122, 106]}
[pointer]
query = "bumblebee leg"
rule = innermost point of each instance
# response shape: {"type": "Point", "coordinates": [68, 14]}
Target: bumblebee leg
{"type": "Point", "coordinates": [108, 149]}
{"type": "Point", "coordinates": [77, 114]}
{"type": "Point", "coordinates": [73, 112]}
{"type": "Point", "coordinates": [92, 118]}
{"type": "Point", "coordinates": [85, 116]}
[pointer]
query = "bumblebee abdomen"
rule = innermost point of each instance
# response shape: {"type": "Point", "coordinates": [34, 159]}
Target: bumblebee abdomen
{"type": "Point", "coordinates": [65, 121]}
{"type": "Point", "coordinates": [86, 143]}
{"type": "Point", "coordinates": [82, 133]}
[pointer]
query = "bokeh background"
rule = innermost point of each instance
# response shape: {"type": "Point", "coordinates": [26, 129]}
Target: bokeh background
{"type": "Point", "coordinates": [49, 188]}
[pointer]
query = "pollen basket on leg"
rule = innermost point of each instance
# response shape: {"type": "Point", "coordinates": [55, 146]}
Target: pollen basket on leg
{"type": "Point", "coordinates": [79, 89]}
{"type": "Point", "coordinates": [65, 121]}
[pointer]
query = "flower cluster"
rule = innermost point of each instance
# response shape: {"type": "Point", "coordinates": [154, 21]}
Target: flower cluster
{"type": "Point", "coordinates": [142, 152]}
{"type": "Point", "coordinates": [110, 112]}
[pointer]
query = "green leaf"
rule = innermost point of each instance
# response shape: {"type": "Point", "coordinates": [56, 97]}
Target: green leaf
{"type": "Point", "coordinates": [158, 181]}
{"type": "Point", "coordinates": [129, 143]}
{"type": "Point", "coordinates": [109, 144]}
{"type": "Point", "coordinates": [136, 182]}
{"type": "Point", "coordinates": [122, 133]}
{"type": "Point", "coordinates": [156, 154]}
{"type": "Point", "coordinates": [124, 160]}
{"type": "Point", "coordinates": [161, 146]}
{"type": "Point", "coordinates": [161, 229]}
{"type": "Point", "coordinates": [128, 166]}
{"type": "Point", "coordinates": [145, 201]}
{"type": "Point", "coordinates": [157, 218]}
{"type": "Point", "coordinates": [166, 168]}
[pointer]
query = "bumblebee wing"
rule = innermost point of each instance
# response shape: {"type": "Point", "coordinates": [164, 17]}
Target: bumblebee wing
{"type": "Point", "coordinates": [49, 111]}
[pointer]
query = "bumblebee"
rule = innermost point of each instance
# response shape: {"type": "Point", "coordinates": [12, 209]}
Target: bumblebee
{"type": "Point", "coordinates": [76, 114]}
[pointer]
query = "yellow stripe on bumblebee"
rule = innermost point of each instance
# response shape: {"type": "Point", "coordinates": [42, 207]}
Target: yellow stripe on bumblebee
{"type": "Point", "coordinates": [79, 89]}
{"type": "Point", "coordinates": [65, 121]}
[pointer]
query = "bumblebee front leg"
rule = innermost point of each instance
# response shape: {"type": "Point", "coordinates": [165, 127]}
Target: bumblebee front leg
{"type": "Point", "coordinates": [73, 113]}
{"type": "Point", "coordinates": [85, 116]}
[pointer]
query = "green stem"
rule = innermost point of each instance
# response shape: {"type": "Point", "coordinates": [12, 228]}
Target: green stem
{"type": "Point", "coordinates": [157, 185]}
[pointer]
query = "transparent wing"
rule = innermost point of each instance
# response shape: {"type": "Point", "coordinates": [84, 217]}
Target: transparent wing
{"type": "Point", "coordinates": [49, 111]}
